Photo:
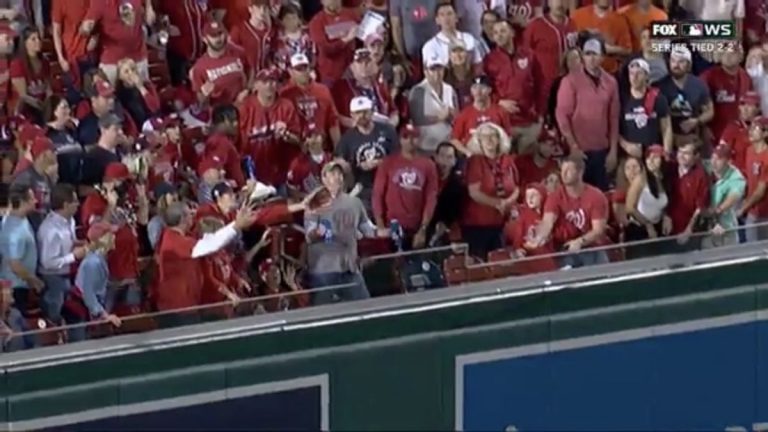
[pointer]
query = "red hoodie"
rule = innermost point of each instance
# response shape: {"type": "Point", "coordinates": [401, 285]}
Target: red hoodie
{"type": "Point", "coordinates": [405, 189]}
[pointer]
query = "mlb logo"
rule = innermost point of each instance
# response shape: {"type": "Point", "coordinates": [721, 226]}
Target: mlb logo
{"type": "Point", "coordinates": [693, 30]}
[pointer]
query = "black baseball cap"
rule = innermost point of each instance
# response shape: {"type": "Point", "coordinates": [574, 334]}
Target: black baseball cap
{"type": "Point", "coordinates": [221, 189]}
{"type": "Point", "coordinates": [481, 80]}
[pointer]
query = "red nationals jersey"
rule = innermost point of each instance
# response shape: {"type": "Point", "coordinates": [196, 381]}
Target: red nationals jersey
{"type": "Point", "coordinates": [549, 41]}
{"type": "Point", "coordinates": [515, 77]}
{"type": "Point", "coordinates": [227, 73]}
{"type": "Point", "coordinates": [577, 212]}
{"type": "Point", "coordinates": [736, 136]}
{"type": "Point", "coordinates": [189, 16]}
{"type": "Point", "coordinates": [347, 89]}
{"type": "Point", "coordinates": [270, 153]}
{"type": "Point", "coordinates": [257, 43]}
{"type": "Point", "coordinates": [725, 89]}
{"type": "Point", "coordinates": [123, 260]}
{"type": "Point", "coordinates": [287, 46]}
{"type": "Point", "coordinates": [120, 29]}
{"type": "Point", "coordinates": [470, 118]}
{"type": "Point", "coordinates": [304, 172]}
{"type": "Point", "coordinates": [314, 104]}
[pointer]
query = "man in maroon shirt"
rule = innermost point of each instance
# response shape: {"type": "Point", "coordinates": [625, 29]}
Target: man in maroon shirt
{"type": "Point", "coordinates": [581, 210]}
{"type": "Point", "coordinates": [405, 189]}
{"type": "Point", "coordinates": [219, 76]}
{"type": "Point", "coordinates": [334, 30]}
{"type": "Point", "coordinates": [689, 192]}
{"type": "Point", "coordinates": [515, 74]}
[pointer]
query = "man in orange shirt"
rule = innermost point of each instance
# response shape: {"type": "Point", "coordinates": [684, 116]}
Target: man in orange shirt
{"type": "Point", "coordinates": [71, 46]}
{"type": "Point", "coordinates": [612, 27]}
{"type": "Point", "coordinates": [639, 16]}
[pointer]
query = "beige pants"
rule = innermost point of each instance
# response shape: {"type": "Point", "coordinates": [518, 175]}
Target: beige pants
{"type": "Point", "coordinates": [111, 70]}
{"type": "Point", "coordinates": [526, 137]}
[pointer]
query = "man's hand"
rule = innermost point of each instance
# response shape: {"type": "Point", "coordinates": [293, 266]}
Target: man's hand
{"type": "Point", "coordinates": [150, 16]}
{"type": "Point", "coordinates": [79, 252]}
{"type": "Point", "coordinates": [64, 65]}
{"type": "Point", "coordinates": [420, 238]}
{"type": "Point", "coordinates": [651, 230]}
{"type": "Point", "coordinates": [666, 226]}
{"type": "Point", "coordinates": [612, 160]}
{"type": "Point", "coordinates": [207, 88]}
{"type": "Point", "coordinates": [87, 27]}
{"type": "Point", "coordinates": [351, 35]}
{"type": "Point", "coordinates": [509, 106]}
{"type": "Point", "coordinates": [245, 218]}
{"type": "Point", "coordinates": [574, 245]}
{"type": "Point", "coordinates": [114, 320]}
{"type": "Point", "coordinates": [633, 149]}
{"type": "Point", "coordinates": [689, 125]}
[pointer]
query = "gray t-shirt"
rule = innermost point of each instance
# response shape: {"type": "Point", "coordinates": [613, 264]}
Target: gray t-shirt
{"type": "Point", "coordinates": [340, 223]}
{"type": "Point", "coordinates": [17, 242]}
{"type": "Point", "coordinates": [356, 148]}
{"type": "Point", "coordinates": [418, 22]}
{"type": "Point", "coordinates": [686, 102]}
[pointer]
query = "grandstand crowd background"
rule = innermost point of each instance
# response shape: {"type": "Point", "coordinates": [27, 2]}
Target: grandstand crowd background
{"type": "Point", "coordinates": [170, 162]}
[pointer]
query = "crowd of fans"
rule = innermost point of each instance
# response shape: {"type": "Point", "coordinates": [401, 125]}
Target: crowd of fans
{"type": "Point", "coordinates": [158, 157]}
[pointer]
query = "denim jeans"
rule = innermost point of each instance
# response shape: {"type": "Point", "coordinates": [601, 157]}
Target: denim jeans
{"type": "Point", "coordinates": [584, 259]}
{"type": "Point", "coordinates": [753, 234]}
{"type": "Point", "coordinates": [355, 291]}
{"type": "Point", "coordinates": [126, 293]}
{"type": "Point", "coordinates": [56, 289]}
{"type": "Point", "coordinates": [594, 170]}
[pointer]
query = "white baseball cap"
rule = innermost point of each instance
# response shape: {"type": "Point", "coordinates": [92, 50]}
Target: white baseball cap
{"type": "Point", "coordinates": [681, 52]}
{"type": "Point", "coordinates": [299, 59]}
{"type": "Point", "coordinates": [435, 60]}
{"type": "Point", "coordinates": [360, 103]}
{"type": "Point", "coordinates": [594, 46]}
{"type": "Point", "coordinates": [640, 63]}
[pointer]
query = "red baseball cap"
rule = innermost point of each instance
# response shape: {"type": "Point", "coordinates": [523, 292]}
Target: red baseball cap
{"type": "Point", "coordinates": [40, 145]}
{"type": "Point", "coordinates": [761, 121]}
{"type": "Point", "coordinates": [28, 132]}
{"type": "Point", "coordinates": [723, 151]}
{"type": "Point", "coordinates": [655, 149]}
{"type": "Point", "coordinates": [116, 171]}
{"type": "Point", "coordinates": [214, 28]}
{"type": "Point", "coordinates": [104, 89]}
{"type": "Point", "coordinates": [5, 29]}
{"type": "Point", "coordinates": [208, 163]}
{"type": "Point", "coordinates": [751, 98]}
{"type": "Point", "coordinates": [538, 187]}
{"type": "Point", "coordinates": [98, 229]}
{"type": "Point", "coordinates": [267, 74]}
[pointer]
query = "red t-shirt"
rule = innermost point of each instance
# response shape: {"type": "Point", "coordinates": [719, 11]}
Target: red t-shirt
{"type": "Point", "coordinates": [258, 44]}
{"type": "Point", "coordinates": [757, 171]}
{"type": "Point", "coordinates": [406, 190]}
{"type": "Point", "coordinates": [227, 73]}
{"type": "Point", "coordinates": [736, 135]}
{"type": "Point", "coordinates": [497, 178]}
{"type": "Point", "coordinates": [271, 155]}
{"type": "Point", "coordinates": [532, 173]}
{"type": "Point", "coordinates": [37, 81]}
{"type": "Point", "coordinates": [333, 54]}
{"type": "Point", "coordinates": [123, 260]}
{"type": "Point", "coordinates": [689, 192]}
{"type": "Point", "coordinates": [314, 104]}
{"type": "Point", "coordinates": [578, 212]}
{"type": "Point", "coordinates": [470, 118]}
{"type": "Point", "coordinates": [179, 277]}
{"type": "Point", "coordinates": [120, 37]}
{"type": "Point", "coordinates": [221, 148]}
{"type": "Point", "coordinates": [725, 89]}
{"type": "Point", "coordinates": [69, 14]}
{"type": "Point", "coordinates": [304, 173]}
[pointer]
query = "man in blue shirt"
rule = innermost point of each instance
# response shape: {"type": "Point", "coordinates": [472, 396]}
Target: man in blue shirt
{"type": "Point", "coordinates": [18, 247]}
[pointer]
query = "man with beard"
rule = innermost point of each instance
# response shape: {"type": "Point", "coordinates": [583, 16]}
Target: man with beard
{"type": "Point", "coordinates": [549, 37]}
{"type": "Point", "coordinates": [334, 30]}
{"type": "Point", "coordinates": [582, 210]}
{"type": "Point", "coordinates": [121, 33]}
{"type": "Point", "coordinates": [270, 130]}
{"type": "Point", "coordinates": [365, 145]}
{"type": "Point", "coordinates": [586, 98]}
{"type": "Point", "coordinates": [362, 82]}
{"type": "Point", "coordinates": [644, 114]}
{"type": "Point", "coordinates": [482, 110]}
{"type": "Point", "coordinates": [218, 76]}
{"type": "Point", "coordinates": [256, 36]}
{"type": "Point", "coordinates": [515, 74]}
{"type": "Point", "coordinates": [727, 82]}
{"type": "Point", "coordinates": [690, 104]}
{"type": "Point", "coordinates": [312, 99]}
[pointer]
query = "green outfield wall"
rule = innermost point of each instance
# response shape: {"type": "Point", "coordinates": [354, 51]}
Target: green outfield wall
{"type": "Point", "coordinates": [394, 371]}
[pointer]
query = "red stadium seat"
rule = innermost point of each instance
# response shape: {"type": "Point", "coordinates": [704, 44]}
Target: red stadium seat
{"type": "Point", "coordinates": [506, 267]}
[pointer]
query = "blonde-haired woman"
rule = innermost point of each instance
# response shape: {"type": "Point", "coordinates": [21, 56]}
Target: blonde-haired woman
{"type": "Point", "coordinates": [492, 180]}
{"type": "Point", "coordinates": [137, 95]}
